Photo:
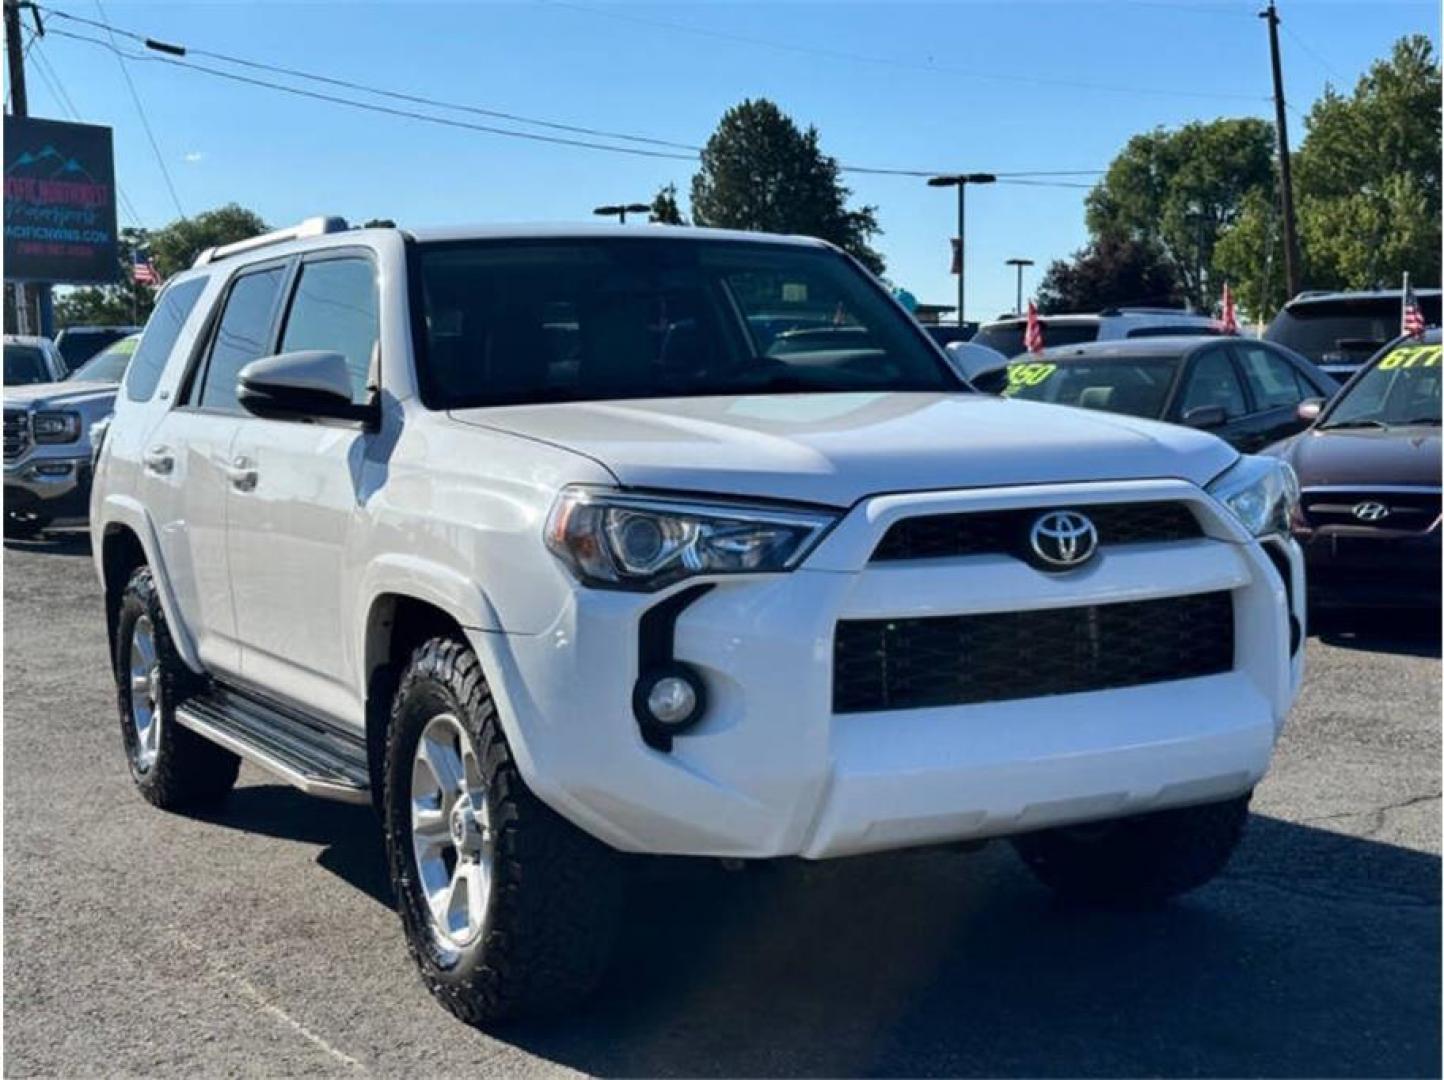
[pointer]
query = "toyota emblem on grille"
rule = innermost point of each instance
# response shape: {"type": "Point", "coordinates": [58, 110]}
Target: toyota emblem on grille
{"type": "Point", "coordinates": [1063, 539]}
{"type": "Point", "coordinates": [1371, 511]}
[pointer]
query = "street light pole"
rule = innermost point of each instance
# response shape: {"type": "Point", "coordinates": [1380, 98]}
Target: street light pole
{"type": "Point", "coordinates": [961, 182]}
{"type": "Point", "coordinates": [1019, 263]}
{"type": "Point", "coordinates": [621, 210]}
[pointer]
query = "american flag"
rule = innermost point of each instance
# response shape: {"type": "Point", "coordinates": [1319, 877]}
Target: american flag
{"type": "Point", "coordinates": [1413, 318]}
{"type": "Point", "coordinates": [1033, 336]}
{"type": "Point", "coordinates": [142, 270]}
{"type": "Point", "coordinates": [1228, 318]}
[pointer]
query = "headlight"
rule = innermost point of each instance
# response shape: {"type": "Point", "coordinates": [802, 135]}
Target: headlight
{"type": "Point", "coordinates": [97, 436]}
{"type": "Point", "coordinates": [641, 543]}
{"type": "Point", "coordinates": [56, 427]}
{"type": "Point", "coordinates": [1262, 492]}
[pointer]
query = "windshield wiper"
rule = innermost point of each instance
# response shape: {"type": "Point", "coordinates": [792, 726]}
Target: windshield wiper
{"type": "Point", "coordinates": [1429, 421]}
{"type": "Point", "coordinates": [1353, 424]}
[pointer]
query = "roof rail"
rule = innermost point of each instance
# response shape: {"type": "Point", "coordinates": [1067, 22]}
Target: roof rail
{"type": "Point", "coordinates": [313, 226]}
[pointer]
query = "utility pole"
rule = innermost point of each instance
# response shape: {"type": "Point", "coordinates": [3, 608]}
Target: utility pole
{"type": "Point", "coordinates": [1286, 173]}
{"type": "Point", "coordinates": [1019, 263]}
{"type": "Point", "coordinates": [19, 106]}
{"type": "Point", "coordinates": [621, 210]}
{"type": "Point", "coordinates": [961, 182]}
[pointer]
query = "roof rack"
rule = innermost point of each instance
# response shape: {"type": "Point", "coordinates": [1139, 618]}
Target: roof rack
{"type": "Point", "coordinates": [313, 226]}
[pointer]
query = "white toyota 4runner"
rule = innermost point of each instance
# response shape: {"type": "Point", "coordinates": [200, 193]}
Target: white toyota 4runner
{"type": "Point", "coordinates": [562, 544]}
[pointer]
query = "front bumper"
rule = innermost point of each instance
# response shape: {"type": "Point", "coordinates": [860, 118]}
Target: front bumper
{"type": "Point", "coordinates": [53, 487]}
{"type": "Point", "coordinates": [772, 770]}
{"type": "Point", "coordinates": [1352, 567]}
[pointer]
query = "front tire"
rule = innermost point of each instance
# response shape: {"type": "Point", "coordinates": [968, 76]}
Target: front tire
{"type": "Point", "coordinates": [173, 767]}
{"type": "Point", "coordinates": [1139, 860]}
{"type": "Point", "coordinates": [507, 908]}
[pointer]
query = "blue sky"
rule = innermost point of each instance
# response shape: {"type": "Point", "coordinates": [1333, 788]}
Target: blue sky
{"type": "Point", "coordinates": [1000, 86]}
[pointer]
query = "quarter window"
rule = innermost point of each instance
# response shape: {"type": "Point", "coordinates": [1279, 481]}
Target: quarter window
{"type": "Point", "coordinates": [242, 336]}
{"type": "Point", "coordinates": [1214, 382]}
{"type": "Point", "coordinates": [1272, 379]}
{"type": "Point", "coordinates": [334, 308]}
{"type": "Point", "coordinates": [159, 338]}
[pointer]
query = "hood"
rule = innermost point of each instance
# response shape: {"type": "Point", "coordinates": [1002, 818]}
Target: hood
{"type": "Point", "coordinates": [62, 395]}
{"type": "Point", "coordinates": [1365, 457]}
{"type": "Point", "coordinates": [834, 449]}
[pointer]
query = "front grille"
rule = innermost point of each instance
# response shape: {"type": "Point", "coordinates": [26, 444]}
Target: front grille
{"type": "Point", "coordinates": [883, 664]}
{"type": "Point", "coordinates": [1408, 511]}
{"type": "Point", "coordinates": [1005, 532]}
{"type": "Point", "coordinates": [17, 434]}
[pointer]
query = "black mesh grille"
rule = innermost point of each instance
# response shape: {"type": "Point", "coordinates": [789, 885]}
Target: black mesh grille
{"type": "Point", "coordinates": [1005, 532]}
{"type": "Point", "coordinates": [17, 434]}
{"type": "Point", "coordinates": [964, 659]}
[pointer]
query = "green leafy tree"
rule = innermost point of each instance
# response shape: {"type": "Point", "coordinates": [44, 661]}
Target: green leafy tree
{"type": "Point", "coordinates": [1109, 272]}
{"type": "Point", "coordinates": [665, 210]}
{"type": "Point", "coordinates": [176, 246]}
{"type": "Point", "coordinates": [1249, 256]}
{"type": "Point", "coordinates": [1178, 191]}
{"type": "Point", "coordinates": [761, 172]}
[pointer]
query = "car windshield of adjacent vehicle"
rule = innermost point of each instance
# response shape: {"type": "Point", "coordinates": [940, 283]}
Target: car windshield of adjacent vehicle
{"type": "Point", "coordinates": [1007, 337]}
{"type": "Point", "coordinates": [78, 346]}
{"type": "Point", "coordinates": [1135, 385]}
{"type": "Point", "coordinates": [1401, 389]}
{"type": "Point", "coordinates": [508, 322]}
{"type": "Point", "coordinates": [1348, 330]}
{"type": "Point", "coordinates": [108, 365]}
{"type": "Point", "coordinates": [24, 365]}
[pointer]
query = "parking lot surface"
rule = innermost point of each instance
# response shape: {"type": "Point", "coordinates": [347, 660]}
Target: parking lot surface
{"type": "Point", "coordinates": [261, 940]}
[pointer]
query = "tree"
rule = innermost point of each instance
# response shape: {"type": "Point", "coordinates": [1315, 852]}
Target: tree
{"type": "Point", "coordinates": [1109, 272]}
{"type": "Point", "coordinates": [120, 304]}
{"type": "Point", "coordinates": [761, 172]}
{"type": "Point", "coordinates": [176, 246]}
{"type": "Point", "coordinates": [1178, 191]}
{"type": "Point", "coordinates": [665, 210]}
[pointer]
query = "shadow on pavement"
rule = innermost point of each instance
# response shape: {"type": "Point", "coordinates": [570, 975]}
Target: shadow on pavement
{"type": "Point", "coordinates": [59, 542]}
{"type": "Point", "coordinates": [1316, 954]}
{"type": "Point", "coordinates": [1407, 633]}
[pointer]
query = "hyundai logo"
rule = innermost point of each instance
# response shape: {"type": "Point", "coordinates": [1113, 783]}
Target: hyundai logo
{"type": "Point", "coordinates": [1063, 539]}
{"type": "Point", "coordinates": [1371, 511]}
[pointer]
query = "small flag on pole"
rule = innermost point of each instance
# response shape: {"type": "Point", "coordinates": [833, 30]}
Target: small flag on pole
{"type": "Point", "coordinates": [1033, 336]}
{"type": "Point", "coordinates": [1228, 318]}
{"type": "Point", "coordinates": [957, 257]}
{"type": "Point", "coordinates": [1412, 322]}
{"type": "Point", "coordinates": [142, 270]}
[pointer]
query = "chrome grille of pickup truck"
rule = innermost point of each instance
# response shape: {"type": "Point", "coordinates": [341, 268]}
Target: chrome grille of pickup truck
{"type": "Point", "coordinates": [914, 663]}
{"type": "Point", "coordinates": [17, 434]}
{"type": "Point", "coordinates": [1004, 532]}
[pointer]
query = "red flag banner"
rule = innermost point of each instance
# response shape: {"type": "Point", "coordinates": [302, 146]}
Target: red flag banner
{"type": "Point", "coordinates": [957, 256]}
{"type": "Point", "coordinates": [1033, 336]}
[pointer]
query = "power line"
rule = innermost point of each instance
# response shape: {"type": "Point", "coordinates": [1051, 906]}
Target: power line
{"type": "Point", "coordinates": [893, 62]}
{"type": "Point", "coordinates": [1301, 43]}
{"type": "Point", "coordinates": [451, 122]}
{"type": "Point", "coordinates": [144, 120]}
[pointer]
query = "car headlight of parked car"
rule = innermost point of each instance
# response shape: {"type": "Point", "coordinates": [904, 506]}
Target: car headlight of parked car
{"type": "Point", "coordinates": [97, 436]}
{"type": "Point", "coordinates": [642, 543]}
{"type": "Point", "coordinates": [56, 427]}
{"type": "Point", "coordinates": [1262, 492]}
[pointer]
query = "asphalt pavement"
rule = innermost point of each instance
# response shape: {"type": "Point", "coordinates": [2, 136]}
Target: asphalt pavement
{"type": "Point", "coordinates": [261, 940]}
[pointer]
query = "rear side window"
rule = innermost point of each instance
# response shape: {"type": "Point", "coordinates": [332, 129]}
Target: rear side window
{"type": "Point", "coordinates": [1271, 378]}
{"type": "Point", "coordinates": [1173, 331]}
{"type": "Point", "coordinates": [242, 335]}
{"type": "Point", "coordinates": [1007, 337]}
{"type": "Point", "coordinates": [1214, 382]}
{"type": "Point", "coordinates": [160, 337]}
{"type": "Point", "coordinates": [334, 308]}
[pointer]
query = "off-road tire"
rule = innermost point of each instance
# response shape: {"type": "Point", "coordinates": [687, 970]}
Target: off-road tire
{"type": "Point", "coordinates": [188, 771]}
{"type": "Point", "coordinates": [556, 892]}
{"type": "Point", "coordinates": [1140, 860]}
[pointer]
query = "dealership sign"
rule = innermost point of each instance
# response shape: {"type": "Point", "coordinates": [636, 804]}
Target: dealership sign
{"type": "Point", "coordinates": [59, 202]}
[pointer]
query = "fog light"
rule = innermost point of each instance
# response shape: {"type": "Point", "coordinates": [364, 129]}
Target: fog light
{"type": "Point", "coordinates": [669, 698]}
{"type": "Point", "coordinates": [60, 468]}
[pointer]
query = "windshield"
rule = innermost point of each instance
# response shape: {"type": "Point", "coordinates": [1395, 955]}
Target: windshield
{"type": "Point", "coordinates": [1007, 337]}
{"type": "Point", "coordinates": [594, 320]}
{"type": "Point", "coordinates": [1347, 331]}
{"type": "Point", "coordinates": [24, 365]}
{"type": "Point", "coordinates": [108, 365]}
{"type": "Point", "coordinates": [1402, 388]}
{"type": "Point", "coordinates": [78, 346]}
{"type": "Point", "coordinates": [1135, 385]}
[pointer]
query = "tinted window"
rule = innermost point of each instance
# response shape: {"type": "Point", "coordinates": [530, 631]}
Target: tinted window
{"type": "Point", "coordinates": [108, 365]}
{"type": "Point", "coordinates": [1213, 382]}
{"type": "Point", "coordinates": [606, 319]}
{"type": "Point", "coordinates": [1271, 378]}
{"type": "Point", "coordinates": [78, 346]}
{"type": "Point", "coordinates": [1173, 331]}
{"type": "Point", "coordinates": [1007, 337]}
{"type": "Point", "coordinates": [159, 338]}
{"type": "Point", "coordinates": [25, 364]}
{"type": "Point", "coordinates": [1402, 388]}
{"type": "Point", "coordinates": [241, 336]}
{"type": "Point", "coordinates": [1136, 385]}
{"type": "Point", "coordinates": [1344, 331]}
{"type": "Point", "coordinates": [334, 308]}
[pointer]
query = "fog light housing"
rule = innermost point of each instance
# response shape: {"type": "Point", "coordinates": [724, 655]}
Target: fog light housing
{"type": "Point", "coordinates": [53, 468]}
{"type": "Point", "coordinates": [666, 700]}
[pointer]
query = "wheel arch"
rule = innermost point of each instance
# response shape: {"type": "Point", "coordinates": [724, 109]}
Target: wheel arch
{"type": "Point", "coordinates": [128, 541]}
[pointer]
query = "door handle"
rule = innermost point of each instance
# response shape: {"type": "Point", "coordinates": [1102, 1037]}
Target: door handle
{"type": "Point", "coordinates": [159, 460]}
{"type": "Point", "coordinates": [242, 472]}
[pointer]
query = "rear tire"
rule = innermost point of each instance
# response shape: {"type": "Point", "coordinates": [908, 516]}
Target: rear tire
{"type": "Point", "coordinates": [508, 909]}
{"type": "Point", "coordinates": [1139, 860]}
{"type": "Point", "coordinates": [173, 767]}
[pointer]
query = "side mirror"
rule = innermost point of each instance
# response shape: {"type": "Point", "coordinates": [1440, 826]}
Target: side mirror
{"type": "Point", "coordinates": [1309, 409]}
{"type": "Point", "coordinates": [308, 385]}
{"type": "Point", "coordinates": [1205, 416]}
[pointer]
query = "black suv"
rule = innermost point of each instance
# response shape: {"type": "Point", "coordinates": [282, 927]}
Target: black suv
{"type": "Point", "coordinates": [1340, 330]}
